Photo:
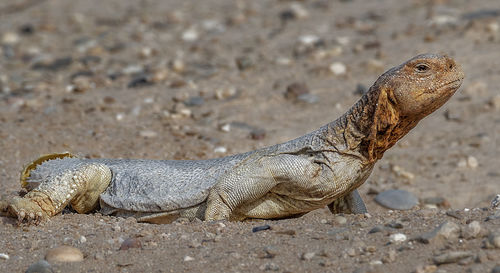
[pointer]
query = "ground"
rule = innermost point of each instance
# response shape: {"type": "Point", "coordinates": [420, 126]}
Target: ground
{"type": "Point", "coordinates": [202, 79]}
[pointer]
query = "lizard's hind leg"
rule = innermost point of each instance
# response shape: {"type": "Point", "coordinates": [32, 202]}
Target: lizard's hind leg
{"type": "Point", "coordinates": [62, 181]}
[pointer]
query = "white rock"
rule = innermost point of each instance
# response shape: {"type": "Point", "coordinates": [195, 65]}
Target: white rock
{"type": "Point", "coordinates": [308, 39]}
{"type": "Point", "coordinates": [226, 127]}
{"type": "Point", "coordinates": [148, 133]}
{"type": "Point", "coordinates": [4, 256]}
{"type": "Point", "coordinates": [299, 10]}
{"type": "Point", "coordinates": [82, 239]}
{"type": "Point", "coordinates": [188, 258]}
{"type": "Point", "coordinates": [397, 238]}
{"type": "Point", "coordinates": [338, 68]}
{"type": "Point", "coordinates": [190, 35]}
{"type": "Point", "coordinates": [10, 38]}
{"type": "Point", "coordinates": [220, 150]}
{"type": "Point", "coordinates": [472, 162]}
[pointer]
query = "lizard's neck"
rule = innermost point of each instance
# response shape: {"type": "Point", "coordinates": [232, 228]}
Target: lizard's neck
{"type": "Point", "coordinates": [369, 128]}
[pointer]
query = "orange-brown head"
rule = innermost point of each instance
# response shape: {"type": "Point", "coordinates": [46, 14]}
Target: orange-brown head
{"type": "Point", "coordinates": [407, 93]}
{"type": "Point", "coordinates": [421, 85]}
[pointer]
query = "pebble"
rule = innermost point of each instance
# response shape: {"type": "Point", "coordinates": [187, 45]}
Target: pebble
{"type": "Point", "coordinates": [296, 89]}
{"type": "Point", "coordinates": [269, 267]}
{"type": "Point", "coordinates": [493, 240]}
{"type": "Point", "coordinates": [41, 266]}
{"type": "Point", "coordinates": [10, 38]}
{"type": "Point", "coordinates": [339, 219]}
{"type": "Point", "coordinates": [261, 228]}
{"type": "Point", "coordinates": [188, 258]}
{"type": "Point", "coordinates": [257, 134]}
{"type": "Point", "coordinates": [298, 11]}
{"type": "Point", "coordinates": [495, 203]}
{"type": "Point", "coordinates": [244, 63]}
{"type": "Point", "coordinates": [451, 257]}
{"type": "Point", "coordinates": [472, 230]}
{"type": "Point", "coordinates": [194, 101]}
{"type": "Point", "coordinates": [307, 256]}
{"type": "Point", "coordinates": [225, 127]}
{"type": "Point", "coordinates": [338, 68]}
{"type": "Point", "coordinates": [309, 40]}
{"type": "Point", "coordinates": [130, 243]}
{"type": "Point", "coordinates": [397, 238]}
{"type": "Point", "coordinates": [444, 232]}
{"type": "Point", "coordinates": [397, 199]}
{"type": "Point", "coordinates": [225, 93]}
{"type": "Point", "coordinates": [220, 150]}
{"type": "Point", "coordinates": [472, 162]}
{"type": "Point", "coordinates": [271, 252]}
{"type": "Point", "coordinates": [4, 256]}
{"type": "Point", "coordinates": [148, 134]}
{"type": "Point", "coordinates": [190, 35]}
{"type": "Point", "coordinates": [426, 269]}
{"type": "Point", "coordinates": [64, 254]}
{"type": "Point", "coordinates": [399, 171]}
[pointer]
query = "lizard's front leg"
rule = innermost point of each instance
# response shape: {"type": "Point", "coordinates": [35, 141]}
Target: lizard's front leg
{"type": "Point", "coordinates": [252, 180]}
{"type": "Point", "coordinates": [79, 185]}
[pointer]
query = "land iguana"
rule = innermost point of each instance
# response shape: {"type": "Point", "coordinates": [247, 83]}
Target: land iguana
{"type": "Point", "coordinates": [321, 168]}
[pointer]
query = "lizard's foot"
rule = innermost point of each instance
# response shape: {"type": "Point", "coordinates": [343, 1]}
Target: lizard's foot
{"type": "Point", "coordinates": [27, 210]}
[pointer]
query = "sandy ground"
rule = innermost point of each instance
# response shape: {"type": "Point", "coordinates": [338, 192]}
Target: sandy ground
{"type": "Point", "coordinates": [202, 79]}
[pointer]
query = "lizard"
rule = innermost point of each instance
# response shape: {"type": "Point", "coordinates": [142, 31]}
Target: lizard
{"type": "Point", "coordinates": [322, 168]}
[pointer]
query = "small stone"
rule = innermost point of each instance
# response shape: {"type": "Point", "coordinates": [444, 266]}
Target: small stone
{"type": "Point", "coordinates": [402, 172]}
{"type": "Point", "coordinates": [390, 256]}
{"type": "Point", "coordinates": [261, 228]}
{"type": "Point", "coordinates": [4, 256]}
{"type": "Point", "coordinates": [495, 203]}
{"type": "Point", "coordinates": [257, 134]}
{"type": "Point", "coordinates": [188, 258]}
{"type": "Point", "coordinates": [472, 162]}
{"type": "Point", "coordinates": [426, 269]}
{"type": "Point", "coordinates": [269, 267]}
{"type": "Point", "coordinates": [271, 251]}
{"type": "Point", "coordinates": [41, 266]}
{"type": "Point", "coordinates": [82, 239]}
{"type": "Point", "coordinates": [298, 11]}
{"type": "Point", "coordinates": [308, 98]}
{"type": "Point", "coordinates": [493, 240]}
{"type": "Point", "coordinates": [472, 230]}
{"type": "Point", "coordinates": [220, 150]}
{"type": "Point", "coordinates": [148, 134]}
{"type": "Point", "coordinates": [178, 66]}
{"type": "Point", "coordinates": [309, 40]}
{"type": "Point", "coordinates": [376, 229]}
{"type": "Point", "coordinates": [10, 38]}
{"type": "Point", "coordinates": [225, 93]}
{"type": "Point", "coordinates": [338, 68]}
{"type": "Point", "coordinates": [397, 199]}
{"type": "Point", "coordinates": [296, 89]}
{"type": "Point", "coordinates": [140, 81]}
{"type": "Point", "coordinates": [397, 238]}
{"type": "Point", "coordinates": [444, 232]}
{"type": "Point", "coordinates": [194, 101]}
{"type": "Point", "coordinates": [451, 257]}
{"type": "Point", "coordinates": [339, 219]}
{"type": "Point", "coordinates": [225, 127]}
{"type": "Point", "coordinates": [130, 243]}
{"type": "Point", "coordinates": [308, 256]}
{"type": "Point", "coordinates": [190, 35]}
{"type": "Point", "coordinates": [244, 63]}
{"type": "Point", "coordinates": [64, 254]}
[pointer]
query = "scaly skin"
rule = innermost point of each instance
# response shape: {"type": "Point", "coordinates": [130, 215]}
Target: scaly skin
{"type": "Point", "coordinates": [322, 168]}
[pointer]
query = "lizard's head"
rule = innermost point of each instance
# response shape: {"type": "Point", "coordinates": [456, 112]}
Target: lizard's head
{"type": "Point", "coordinates": [407, 93]}
{"type": "Point", "coordinates": [421, 85]}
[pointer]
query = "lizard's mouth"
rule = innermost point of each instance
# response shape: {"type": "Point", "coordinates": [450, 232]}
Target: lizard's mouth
{"type": "Point", "coordinates": [451, 86]}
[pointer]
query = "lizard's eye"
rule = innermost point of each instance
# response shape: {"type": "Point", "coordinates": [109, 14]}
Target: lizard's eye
{"type": "Point", "coordinates": [421, 68]}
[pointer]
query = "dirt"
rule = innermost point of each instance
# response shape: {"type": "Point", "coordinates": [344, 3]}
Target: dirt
{"type": "Point", "coordinates": [203, 79]}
